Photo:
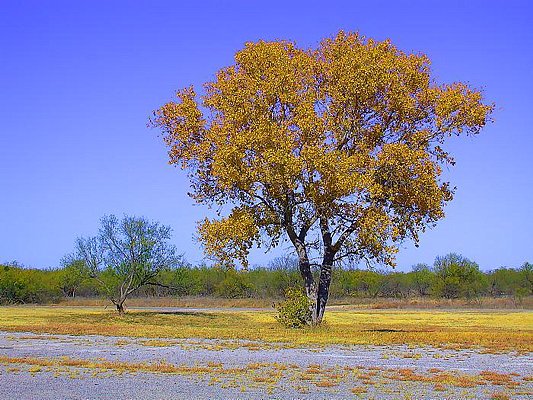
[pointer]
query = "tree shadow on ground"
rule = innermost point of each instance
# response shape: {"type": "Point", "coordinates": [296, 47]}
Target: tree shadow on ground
{"type": "Point", "coordinates": [177, 313]}
{"type": "Point", "coordinates": [395, 330]}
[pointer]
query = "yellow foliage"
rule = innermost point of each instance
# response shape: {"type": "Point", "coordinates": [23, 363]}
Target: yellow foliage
{"type": "Point", "coordinates": [349, 134]}
{"type": "Point", "coordinates": [229, 238]}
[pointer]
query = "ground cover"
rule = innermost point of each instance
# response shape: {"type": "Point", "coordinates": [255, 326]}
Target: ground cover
{"type": "Point", "coordinates": [490, 330]}
{"type": "Point", "coordinates": [493, 303]}
{"type": "Point", "coordinates": [68, 366]}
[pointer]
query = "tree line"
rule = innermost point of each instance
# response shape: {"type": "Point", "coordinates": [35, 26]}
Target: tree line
{"type": "Point", "coordinates": [452, 276]}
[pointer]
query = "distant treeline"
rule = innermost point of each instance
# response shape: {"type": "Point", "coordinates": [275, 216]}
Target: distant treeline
{"type": "Point", "coordinates": [451, 277]}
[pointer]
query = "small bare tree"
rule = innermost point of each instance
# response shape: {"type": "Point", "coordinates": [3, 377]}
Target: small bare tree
{"type": "Point", "coordinates": [126, 255]}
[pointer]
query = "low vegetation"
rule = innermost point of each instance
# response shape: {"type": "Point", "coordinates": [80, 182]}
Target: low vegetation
{"type": "Point", "coordinates": [452, 278]}
{"type": "Point", "coordinates": [491, 330]}
{"type": "Point", "coordinates": [295, 311]}
{"type": "Point", "coordinates": [276, 376]}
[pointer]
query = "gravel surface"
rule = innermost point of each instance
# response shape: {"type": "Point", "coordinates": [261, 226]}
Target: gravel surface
{"type": "Point", "coordinates": [245, 370]}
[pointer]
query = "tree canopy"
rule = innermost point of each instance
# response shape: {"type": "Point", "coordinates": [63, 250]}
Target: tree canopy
{"type": "Point", "coordinates": [338, 148]}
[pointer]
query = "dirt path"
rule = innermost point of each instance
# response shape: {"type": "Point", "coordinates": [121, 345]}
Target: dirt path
{"type": "Point", "coordinates": [85, 367]}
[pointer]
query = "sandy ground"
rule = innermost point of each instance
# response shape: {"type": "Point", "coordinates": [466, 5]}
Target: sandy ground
{"type": "Point", "coordinates": [249, 370]}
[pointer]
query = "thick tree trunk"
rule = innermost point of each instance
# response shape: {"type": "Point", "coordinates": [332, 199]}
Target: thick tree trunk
{"type": "Point", "coordinates": [323, 286]}
{"type": "Point", "coordinates": [307, 275]}
{"type": "Point", "coordinates": [303, 263]}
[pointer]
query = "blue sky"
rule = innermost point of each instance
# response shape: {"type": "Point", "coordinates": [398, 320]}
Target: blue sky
{"type": "Point", "coordinates": [79, 79]}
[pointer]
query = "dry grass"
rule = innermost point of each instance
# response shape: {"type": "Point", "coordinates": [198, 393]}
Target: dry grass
{"type": "Point", "coordinates": [326, 383]}
{"type": "Point", "coordinates": [456, 379]}
{"type": "Point", "coordinates": [269, 375]}
{"type": "Point", "coordinates": [186, 301]}
{"type": "Point", "coordinates": [439, 387]}
{"type": "Point", "coordinates": [156, 343]}
{"type": "Point", "coordinates": [424, 303]}
{"type": "Point", "coordinates": [493, 330]}
{"type": "Point", "coordinates": [499, 378]}
{"type": "Point", "coordinates": [359, 390]}
{"type": "Point", "coordinates": [500, 396]}
{"type": "Point", "coordinates": [119, 366]}
{"type": "Point", "coordinates": [345, 302]}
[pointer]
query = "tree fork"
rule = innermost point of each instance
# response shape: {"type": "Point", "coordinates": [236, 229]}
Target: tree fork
{"type": "Point", "coordinates": [120, 308]}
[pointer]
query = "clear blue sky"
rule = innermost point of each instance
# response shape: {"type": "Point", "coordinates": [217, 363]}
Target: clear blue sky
{"type": "Point", "coordinates": [79, 79]}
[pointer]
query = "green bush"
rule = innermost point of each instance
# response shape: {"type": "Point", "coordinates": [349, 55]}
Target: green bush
{"type": "Point", "coordinates": [295, 311]}
{"type": "Point", "coordinates": [422, 279]}
{"type": "Point", "coordinates": [453, 276]}
{"type": "Point", "coordinates": [519, 294]}
{"type": "Point", "coordinates": [72, 276]}
{"type": "Point", "coordinates": [21, 285]}
{"type": "Point", "coordinates": [235, 285]}
{"type": "Point", "coordinates": [457, 276]}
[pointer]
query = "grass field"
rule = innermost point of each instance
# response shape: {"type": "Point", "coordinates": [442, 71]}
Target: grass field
{"type": "Point", "coordinates": [491, 330]}
{"type": "Point", "coordinates": [496, 303]}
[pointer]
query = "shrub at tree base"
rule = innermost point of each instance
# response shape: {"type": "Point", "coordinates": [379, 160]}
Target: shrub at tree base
{"type": "Point", "coordinates": [295, 311]}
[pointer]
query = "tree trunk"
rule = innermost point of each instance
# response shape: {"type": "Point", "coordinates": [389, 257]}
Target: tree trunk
{"type": "Point", "coordinates": [120, 307]}
{"type": "Point", "coordinates": [309, 283]}
{"type": "Point", "coordinates": [323, 286]}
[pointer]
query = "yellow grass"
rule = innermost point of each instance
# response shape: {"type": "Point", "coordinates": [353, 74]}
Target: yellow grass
{"type": "Point", "coordinates": [346, 302]}
{"type": "Point", "coordinates": [186, 301]}
{"type": "Point", "coordinates": [270, 375]}
{"type": "Point", "coordinates": [494, 330]}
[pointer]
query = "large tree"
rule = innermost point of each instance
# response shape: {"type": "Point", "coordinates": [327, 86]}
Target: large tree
{"type": "Point", "coordinates": [126, 255]}
{"type": "Point", "coordinates": [338, 148]}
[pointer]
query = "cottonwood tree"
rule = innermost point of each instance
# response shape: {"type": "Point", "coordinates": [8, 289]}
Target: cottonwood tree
{"type": "Point", "coordinates": [126, 255]}
{"type": "Point", "coordinates": [338, 148]}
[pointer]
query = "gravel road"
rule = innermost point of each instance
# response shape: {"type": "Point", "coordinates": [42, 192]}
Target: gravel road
{"type": "Point", "coordinates": [36, 366]}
